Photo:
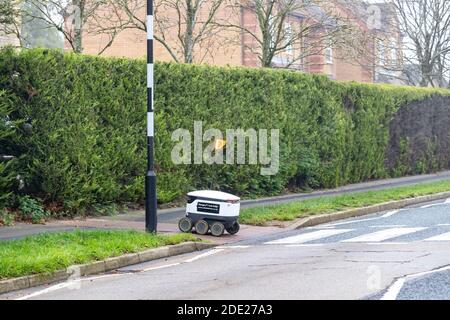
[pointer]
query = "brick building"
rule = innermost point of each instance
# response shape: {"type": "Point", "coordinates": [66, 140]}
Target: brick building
{"type": "Point", "coordinates": [381, 58]}
{"type": "Point", "coordinates": [7, 35]}
{"type": "Point", "coordinates": [8, 39]}
{"type": "Point", "coordinates": [379, 48]}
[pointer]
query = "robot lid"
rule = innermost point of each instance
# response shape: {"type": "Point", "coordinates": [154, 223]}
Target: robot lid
{"type": "Point", "coordinates": [214, 195]}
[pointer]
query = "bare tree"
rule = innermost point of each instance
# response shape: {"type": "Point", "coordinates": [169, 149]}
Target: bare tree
{"type": "Point", "coordinates": [183, 27]}
{"type": "Point", "coordinates": [377, 43]}
{"type": "Point", "coordinates": [69, 17]}
{"type": "Point", "coordinates": [315, 29]}
{"type": "Point", "coordinates": [426, 24]}
{"type": "Point", "coordinates": [10, 16]}
{"type": "Point", "coordinates": [110, 20]}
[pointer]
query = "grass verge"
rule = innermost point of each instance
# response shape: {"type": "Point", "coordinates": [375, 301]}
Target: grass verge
{"type": "Point", "coordinates": [50, 252]}
{"type": "Point", "coordinates": [329, 204]}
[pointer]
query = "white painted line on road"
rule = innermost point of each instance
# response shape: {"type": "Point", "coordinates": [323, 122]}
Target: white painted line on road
{"type": "Point", "coordinates": [65, 284]}
{"type": "Point", "coordinates": [383, 235]}
{"type": "Point", "coordinates": [394, 290]}
{"type": "Point", "coordinates": [348, 222]}
{"type": "Point", "coordinates": [77, 282]}
{"type": "Point", "coordinates": [387, 226]}
{"type": "Point", "coordinates": [390, 213]}
{"type": "Point", "coordinates": [319, 227]}
{"type": "Point", "coordinates": [425, 273]}
{"type": "Point", "coordinates": [195, 258]}
{"type": "Point", "coordinates": [443, 225]}
{"type": "Point", "coordinates": [304, 245]}
{"type": "Point", "coordinates": [50, 289]}
{"type": "Point", "coordinates": [305, 237]}
{"type": "Point", "coordinates": [447, 201]}
{"type": "Point", "coordinates": [386, 243]}
{"type": "Point", "coordinates": [203, 255]}
{"type": "Point", "coordinates": [160, 267]}
{"type": "Point", "coordinates": [441, 237]}
{"type": "Point", "coordinates": [433, 205]}
{"type": "Point", "coordinates": [233, 247]}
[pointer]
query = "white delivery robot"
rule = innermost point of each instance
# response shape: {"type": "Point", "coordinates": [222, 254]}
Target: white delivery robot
{"type": "Point", "coordinates": [211, 210]}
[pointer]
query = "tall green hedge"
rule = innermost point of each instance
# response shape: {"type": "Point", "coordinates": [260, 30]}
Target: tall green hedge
{"type": "Point", "coordinates": [87, 142]}
{"type": "Point", "coordinates": [7, 129]}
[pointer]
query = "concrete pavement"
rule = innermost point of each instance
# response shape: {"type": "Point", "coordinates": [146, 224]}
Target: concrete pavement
{"type": "Point", "coordinates": [168, 218]}
{"type": "Point", "coordinates": [363, 258]}
{"type": "Point", "coordinates": [172, 215]}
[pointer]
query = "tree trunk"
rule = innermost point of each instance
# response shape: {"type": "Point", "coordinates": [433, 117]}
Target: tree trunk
{"type": "Point", "coordinates": [189, 35]}
{"type": "Point", "coordinates": [78, 25]}
{"type": "Point", "coordinates": [78, 41]}
{"type": "Point", "coordinates": [266, 61]}
{"type": "Point", "coordinates": [426, 75]}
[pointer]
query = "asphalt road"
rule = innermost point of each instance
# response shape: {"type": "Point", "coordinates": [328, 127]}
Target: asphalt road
{"type": "Point", "coordinates": [392, 255]}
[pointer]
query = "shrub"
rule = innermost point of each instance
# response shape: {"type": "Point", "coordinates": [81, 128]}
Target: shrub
{"type": "Point", "coordinates": [87, 144]}
{"type": "Point", "coordinates": [6, 218]}
{"type": "Point", "coordinates": [6, 131]}
{"type": "Point", "coordinates": [32, 210]}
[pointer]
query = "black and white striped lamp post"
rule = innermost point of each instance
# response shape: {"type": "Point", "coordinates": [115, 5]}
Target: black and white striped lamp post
{"type": "Point", "coordinates": [150, 177]}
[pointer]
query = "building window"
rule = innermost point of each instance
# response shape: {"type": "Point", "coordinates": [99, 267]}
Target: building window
{"type": "Point", "coordinates": [381, 52]}
{"type": "Point", "coordinates": [289, 37]}
{"type": "Point", "coordinates": [272, 31]}
{"type": "Point", "coordinates": [394, 52]}
{"type": "Point", "coordinates": [329, 55]}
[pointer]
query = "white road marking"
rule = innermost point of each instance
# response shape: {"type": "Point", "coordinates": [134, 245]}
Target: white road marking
{"type": "Point", "coordinates": [420, 274]}
{"type": "Point", "coordinates": [305, 237]}
{"type": "Point", "coordinates": [387, 226]}
{"type": "Point", "coordinates": [433, 205]}
{"type": "Point", "coordinates": [50, 289]}
{"type": "Point", "coordinates": [447, 201]}
{"type": "Point", "coordinates": [394, 290]}
{"type": "Point", "coordinates": [65, 284]}
{"type": "Point", "coordinates": [386, 243]}
{"type": "Point", "coordinates": [70, 283]}
{"type": "Point", "coordinates": [348, 222]}
{"type": "Point", "coordinates": [206, 254]}
{"type": "Point", "coordinates": [233, 247]}
{"type": "Point", "coordinates": [390, 213]}
{"type": "Point", "coordinates": [441, 237]}
{"type": "Point", "coordinates": [304, 245]}
{"type": "Point", "coordinates": [383, 235]}
{"type": "Point", "coordinates": [160, 267]}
